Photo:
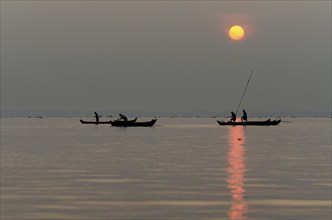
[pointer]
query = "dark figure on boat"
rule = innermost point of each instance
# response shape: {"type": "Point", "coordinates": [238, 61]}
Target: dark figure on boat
{"type": "Point", "coordinates": [244, 118]}
{"type": "Point", "coordinates": [123, 117]}
{"type": "Point", "coordinates": [233, 117]}
{"type": "Point", "coordinates": [97, 117]}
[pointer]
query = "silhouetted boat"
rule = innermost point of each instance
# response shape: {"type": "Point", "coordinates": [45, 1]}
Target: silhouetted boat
{"type": "Point", "coordinates": [120, 123]}
{"type": "Point", "coordinates": [255, 123]}
{"type": "Point", "coordinates": [102, 122]}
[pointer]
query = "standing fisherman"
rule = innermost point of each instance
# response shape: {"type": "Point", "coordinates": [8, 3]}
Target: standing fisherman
{"type": "Point", "coordinates": [244, 118]}
{"type": "Point", "coordinates": [97, 117]}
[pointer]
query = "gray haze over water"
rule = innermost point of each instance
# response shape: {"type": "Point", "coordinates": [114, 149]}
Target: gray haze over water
{"type": "Point", "coordinates": [165, 56]}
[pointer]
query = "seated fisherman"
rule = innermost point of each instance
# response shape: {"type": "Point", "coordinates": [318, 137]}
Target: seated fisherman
{"type": "Point", "coordinates": [123, 117]}
{"type": "Point", "coordinates": [233, 117]}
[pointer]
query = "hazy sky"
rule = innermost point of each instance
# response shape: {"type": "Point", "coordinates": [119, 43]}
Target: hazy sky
{"type": "Point", "coordinates": [165, 56]}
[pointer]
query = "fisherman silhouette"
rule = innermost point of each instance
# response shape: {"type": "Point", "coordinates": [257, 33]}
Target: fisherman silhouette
{"type": "Point", "coordinates": [123, 117]}
{"type": "Point", "coordinates": [244, 117]}
{"type": "Point", "coordinates": [233, 117]}
{"type": "Point", "coordinates": [97, 117]}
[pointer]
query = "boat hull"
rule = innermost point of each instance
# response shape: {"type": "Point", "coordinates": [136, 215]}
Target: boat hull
{"type": "Point", "coordinates": [133, 124]}
{"type": "Point", "coordinates": [250, 123]}
{"type": "Point", "coordinates": [102, 122]}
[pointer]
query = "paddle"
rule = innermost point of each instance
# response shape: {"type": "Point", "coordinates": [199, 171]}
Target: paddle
{"type": "Point", "coordinates": [93, 118]}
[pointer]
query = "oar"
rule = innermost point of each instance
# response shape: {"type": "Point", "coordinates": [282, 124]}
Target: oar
{"type": "Point", "coordinates": [93, 118]}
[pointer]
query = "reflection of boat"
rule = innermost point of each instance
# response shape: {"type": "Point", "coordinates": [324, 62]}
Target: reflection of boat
{"type": "Point", "coordinates": [256, 123]}
{"type": "Point", "coordinates": [119, 123]}
{"type": "Point", "coordinates": [102, 122]}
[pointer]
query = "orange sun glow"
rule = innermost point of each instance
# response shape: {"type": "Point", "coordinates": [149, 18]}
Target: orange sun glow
{"type": "Point", "coordinates": [236, 32]}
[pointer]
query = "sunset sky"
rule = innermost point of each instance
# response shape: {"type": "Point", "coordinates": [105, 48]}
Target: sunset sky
{"type": "Point", "coordinates": [165, 56]}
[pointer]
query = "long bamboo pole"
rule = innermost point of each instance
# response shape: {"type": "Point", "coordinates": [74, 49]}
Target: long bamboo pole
{"type": "Point", "coordinates": [244, 91]}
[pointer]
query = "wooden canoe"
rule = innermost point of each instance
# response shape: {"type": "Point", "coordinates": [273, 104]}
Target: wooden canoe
{"type": "Point", "coordinates": [119, 123]}
{"type": "Point", "coordinates": [102, 122]}
{"type": "Point", "coordinates": [251, 123]}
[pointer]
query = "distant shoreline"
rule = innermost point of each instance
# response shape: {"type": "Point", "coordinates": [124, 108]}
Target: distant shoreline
{"type": "Point", "coordinates": [46, 114]}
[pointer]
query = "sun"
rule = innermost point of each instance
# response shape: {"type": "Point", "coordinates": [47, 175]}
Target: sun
{"type": "Point", "coordinates": [236, 32]}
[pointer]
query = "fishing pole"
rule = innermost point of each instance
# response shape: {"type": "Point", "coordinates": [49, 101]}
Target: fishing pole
{"type": "Point", "coordinates": [244, 91]}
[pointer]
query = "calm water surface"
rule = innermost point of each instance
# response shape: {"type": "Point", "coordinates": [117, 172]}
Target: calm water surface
{"type": "Point", "coordinates": [178, 169]}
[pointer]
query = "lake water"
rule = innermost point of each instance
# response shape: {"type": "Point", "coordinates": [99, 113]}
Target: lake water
{"type": "Point", "coordinates": [178, 169]}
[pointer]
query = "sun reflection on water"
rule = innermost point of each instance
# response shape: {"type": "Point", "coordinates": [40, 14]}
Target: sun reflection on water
{"type": "Point", "coordinates": [236, 171]}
